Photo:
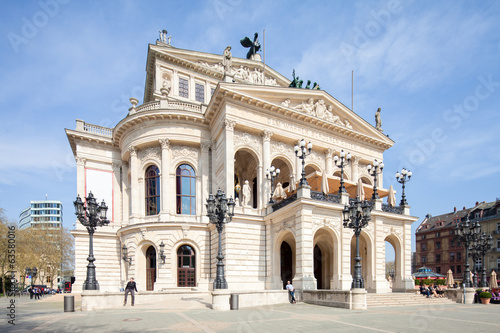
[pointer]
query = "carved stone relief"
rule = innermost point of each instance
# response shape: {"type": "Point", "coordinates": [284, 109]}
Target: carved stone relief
{"type": "Point", "coordinates": [287, 224]}
{"type": "Point", "coordinates": [280, 147]}
{"type": "Point", "coordinates": [184, 151]}
{"type": "Point", "coordinates": [247, 139]}
{"type": "Point", "coordinates": [317, 109]}
{"type": "Point", "coordinates": [251, 75]}
{"type": "Point", "coordinates": [151, 152]}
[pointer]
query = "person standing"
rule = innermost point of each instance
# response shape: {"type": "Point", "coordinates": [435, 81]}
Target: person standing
{"type": "Point", "coordinates": [130, 288]}
{"type": "Point", "coordinates": [291, 291]}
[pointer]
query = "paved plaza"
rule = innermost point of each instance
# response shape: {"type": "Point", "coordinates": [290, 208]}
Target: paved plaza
{"type": "Point", "coordinates": [192, 314]}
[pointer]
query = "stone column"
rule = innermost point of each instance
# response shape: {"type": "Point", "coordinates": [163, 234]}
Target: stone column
{"type": "Point", "coordinates": [125, 194]}
{"type": "Point", "coordinates": [304, 277]}
{"type": "Point", "coordinates": [229, 157]}
{"type": "Point", "coordinates": [165, 168]}
{"type": "Point", "coordinates": [265, 190]}
{"type": "Point", "coordinates": [355, 168]}
{"type": "Point", "coordinates": [134, 184]}
{"type": "Point", "coordinates": [80, 176]}
{"type": "Point", "coordinates": [118, 194]}
{"type": "Point", "coordinates": [298, 166]}
{"type": "Point", "coordinates": [205, 176]}
{"type": "Point", "coordinates": [329, 161]}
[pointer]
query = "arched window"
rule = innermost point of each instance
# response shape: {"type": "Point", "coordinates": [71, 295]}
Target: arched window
{"type": "Point", "coordinates": [152, 190]}
{"type": "Point", "coordinates": [186, 190]}
{"type": "Point", "coordinates": [186, 261]}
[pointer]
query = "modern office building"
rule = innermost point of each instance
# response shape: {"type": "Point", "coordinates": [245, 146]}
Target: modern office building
{"type": "Point", "coordinates": [43, 213]}
{"type": "Point", "coordinates": [213, 121]}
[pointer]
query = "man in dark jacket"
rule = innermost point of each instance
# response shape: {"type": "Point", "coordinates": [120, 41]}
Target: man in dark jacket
{"type": "Point", "coordinates": [130, 288]}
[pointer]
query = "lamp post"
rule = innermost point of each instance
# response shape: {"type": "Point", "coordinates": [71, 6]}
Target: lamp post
{"type": "Point", "coordinates": [91, 217]}
{"type": "Point", "coordinates": [271, 174]}
{"type": "Point", "coordinates": [220, 211]}
{"type": "Point", "coordinates": [466, 233]}
{"type": "Point", "coordinates": [305, 150]}
{"type": "Point", "coordinates": [483, 244]}
{"type": "Point", "coordinates": [402, 179]}
{"type": "Point", "coordinates": [374, 170]}
{"type": "Point", "coordinates": [356, 216]}
{"type": "Point", "coordinates": [344, 161]}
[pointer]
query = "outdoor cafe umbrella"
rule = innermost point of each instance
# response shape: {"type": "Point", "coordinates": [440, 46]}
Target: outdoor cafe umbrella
{"type": "Point", "coordinates": [360, 190]}
{"type": "Point", "coordinates": [493, 280]}
{"type": "Point", "coordinates": [449, 278]}
{"type": "Point", "coordinates": [292, 184]}
{"type": "Point", "coordinates": [324, 184]}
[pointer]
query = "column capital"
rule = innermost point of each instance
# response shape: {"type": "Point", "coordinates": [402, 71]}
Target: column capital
{"type": "Point", "coordinates": [133, 151]}
{"type": "Point", "coordinates": [356, 159]}
{"type": "Point", "coordinates": [267, 134]}
{"type": "Point", "coordinates": [229, 124]}
{"type": "Point", "coordinates": [116, 166]}
{"type": "Point", "coordinates": [80, 160]}
{"type": "Point", "coordinates": [329, 152]}
{"type": "Point", "coordinates": [164, 143]}
{"type": "Point", "coordinates": [205, 146]}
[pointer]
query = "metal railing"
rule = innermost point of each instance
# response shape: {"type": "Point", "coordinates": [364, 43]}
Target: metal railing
{"type": "Point", "coordinates": [316, 195]}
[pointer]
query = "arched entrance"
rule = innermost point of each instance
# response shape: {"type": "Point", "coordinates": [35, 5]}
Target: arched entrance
{"type": "Point", "coordinates": [365, 254]}
{"type": "Point", "coordinates": [150, 268]}
{"type": "Point", "coordinates": [323, 258]}
{"type": "Point", "coordinates": [393, 262]}
{"type": "Point", "coordinates": [245, 169]}
{"type": "Point", "coordinates": [186, 267]}
{"type": "Point", "coordinates": [286, 263]}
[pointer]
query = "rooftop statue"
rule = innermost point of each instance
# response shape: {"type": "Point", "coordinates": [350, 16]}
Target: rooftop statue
{"type": "Point", "coordinates": [378, 120]}
{"type": "Point", "coordinates": [296, 83]}
{"type": "Point", "coordinates": [254, 46]}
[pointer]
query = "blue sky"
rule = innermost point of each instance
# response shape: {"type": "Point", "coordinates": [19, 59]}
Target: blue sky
{"type": "Point", "coordinates": [432, 66]}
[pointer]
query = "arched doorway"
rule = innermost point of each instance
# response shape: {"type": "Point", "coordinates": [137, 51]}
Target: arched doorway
{"type": "Point", "coordinates": [286, 263]}
{"type": "Point", "coordinates": [365, 254]}
{"type": "Point", "coordinates": [150, 268]}
{"type": "Point", "coordinates": [186, 267]}
{"type": "Point", "coordinates": [323, 258]}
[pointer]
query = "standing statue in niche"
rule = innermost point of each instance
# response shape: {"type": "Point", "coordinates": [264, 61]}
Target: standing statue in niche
{"type": "Point", "coordinates": [247, 192]}
{"type": "Point", "coordinates": [378, 121]}
{"type": "Point", "coordinates": [227, 60]}
{"type": "Point", "coordinates": [254, 46]}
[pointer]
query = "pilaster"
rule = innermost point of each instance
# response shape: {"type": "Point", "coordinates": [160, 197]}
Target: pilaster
{"type": "Point", "coordinates": [165, 167]}
{"type": "Point", "coordinates": [229, 157]}
{"type": "Point", "coordinates": [80, 176]}
{"type": "Point", "coordinates": [304, 277]}
{"type": "Point", "coordinates": [329, 161]}
{"type": "Point", "coordinates": [204, 163]}
{"type": "Point", "coordinates": [134, 183]}
{"type": "Point", "coordinates": [266, 164]}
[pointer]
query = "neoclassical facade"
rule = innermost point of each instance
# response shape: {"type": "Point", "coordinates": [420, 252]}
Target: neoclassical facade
{"type": "Point", "coordinates": [206, 126]}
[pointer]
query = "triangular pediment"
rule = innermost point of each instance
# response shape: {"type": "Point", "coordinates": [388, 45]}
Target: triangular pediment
{"type": "Point", "coordinates": [315, 107]}
{"type": "Point", "coordinates": [210, 66]}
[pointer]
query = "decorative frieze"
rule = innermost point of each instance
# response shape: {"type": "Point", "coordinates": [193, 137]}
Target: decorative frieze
{"type": "Point", "coordinates": [150, 153]}
{"type": "Point", "coordinates": [286, 224]}
{"type": "Point", "coordinates": [184, 151]}
{"type": "Point", "coordinates": [243, 73]}
{"type": "Point", "coordinates": [281, 147]}
{"type": "Point", "coordinates": [247, 139]}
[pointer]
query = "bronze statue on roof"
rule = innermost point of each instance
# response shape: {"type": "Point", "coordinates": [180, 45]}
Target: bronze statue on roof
{"type": "Point", "coordinates": [254, 46]}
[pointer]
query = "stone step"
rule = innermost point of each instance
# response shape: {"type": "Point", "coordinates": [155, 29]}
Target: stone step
{"type": "Point", "coordinates": [400, 299]}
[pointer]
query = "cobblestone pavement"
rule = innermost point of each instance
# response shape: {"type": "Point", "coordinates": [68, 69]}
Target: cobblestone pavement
{"type": "Point", "coordinates": [194, 315]}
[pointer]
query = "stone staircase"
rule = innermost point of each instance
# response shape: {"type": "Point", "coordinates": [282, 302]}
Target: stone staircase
{"type": "Point", "coordinates": [400, 299]}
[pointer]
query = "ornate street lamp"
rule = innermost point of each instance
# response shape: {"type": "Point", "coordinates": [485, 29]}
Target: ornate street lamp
{"type": "Point", "coordinates": [467, 233]}
{"type": "Point", "coordinates": [374, 170]}
{"type": "Point", "coordinates": [402, 179]}
{"type": "Point", "coordinates": [356, 216]}
{"type": "Point", "coordinates": [91, 217]}
{"type": "Point", "coordinates": [162, 252]}
{"type": "Point", "coordinates": [220, 211]}
{"type": "Point", "coordinates": [481, 246]}
{"type": "Point", "coordinates": [125, 256]}
{"type": "Point", "coordinates": [305, 150]}
{"type": "Point", "coordinates": [344, 161]}
{"type": "Point", "coordinates": [271, 174]}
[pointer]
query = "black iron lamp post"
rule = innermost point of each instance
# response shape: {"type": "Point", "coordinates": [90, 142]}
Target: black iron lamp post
{"type": "Point", "coordinates": [356, 216]}
{"type": "Point", "coordinates": [374, 170]}
{"type": "Point", "coordinates": [403, 178]}
{"type": "Point", "coordinates": [32, 272]}
{"type": "Point", "coordinates": [467, 233]}
{"type": "Point", "coordinates": [271, 174]}
{"type": "Point", "coordinates": [220, 211]}
{"type": "Point", "coordinates": [125, 256]}
{"type": "Point", "coordinates": [305, 150]}
{"type": "Point", "coordinates": [483, 244]}
{"type": "Point", "coordinates": [344, 161]}
{"type": "Point", "coordinates": [91, 217]}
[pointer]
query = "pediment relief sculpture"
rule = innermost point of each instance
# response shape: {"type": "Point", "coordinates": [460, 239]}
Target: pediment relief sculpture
{"type": "Point", "coordinates": [242, 73]}
{"type": "Point", "coordinates": [317, 109]}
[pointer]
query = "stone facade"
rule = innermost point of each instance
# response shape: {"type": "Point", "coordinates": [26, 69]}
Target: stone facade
{"type": "Point", "coordinates": [224, 132]}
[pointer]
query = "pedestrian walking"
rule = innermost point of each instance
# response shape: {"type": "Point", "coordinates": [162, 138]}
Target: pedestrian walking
{"type": "Point", "coordinates": [291, 291]}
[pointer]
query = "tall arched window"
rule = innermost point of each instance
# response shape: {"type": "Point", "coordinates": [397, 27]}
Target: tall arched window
{"type": "Point", "coordinates": [152, 190]}
{"type": "Point", "coordinates": [186, 190]}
